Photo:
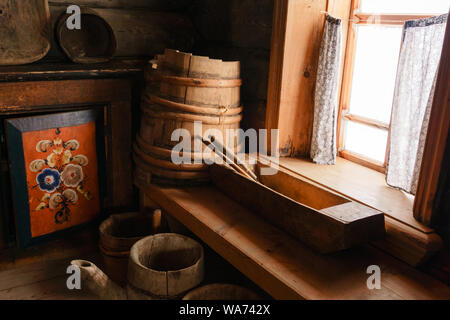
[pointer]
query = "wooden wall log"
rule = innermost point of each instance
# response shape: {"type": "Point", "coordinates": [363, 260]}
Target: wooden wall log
{"type": "Point", "coordinates": [242, 31]}
{"type": "Point", "coordinates": [139, 33]}
{"type": "Point", "coordinates": [239, 23]}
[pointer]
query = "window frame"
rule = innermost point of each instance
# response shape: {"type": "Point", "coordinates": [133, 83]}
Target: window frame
{"type": "Point", "coordinates": [361, 18]}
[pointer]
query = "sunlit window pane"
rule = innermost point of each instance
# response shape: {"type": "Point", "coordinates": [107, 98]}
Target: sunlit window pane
{"type": "Point", "coordinates": [367, 141]}
{"type": "Point", "coordinates": [376, 59]}
{"type": "Point", "coordinates": [405, 6]}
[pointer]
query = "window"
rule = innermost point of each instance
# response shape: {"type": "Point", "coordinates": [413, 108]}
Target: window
{"type": "Point", "coordinates": [373, 47]}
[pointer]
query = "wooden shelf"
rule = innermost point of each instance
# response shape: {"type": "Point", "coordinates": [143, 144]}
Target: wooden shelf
{"type": "Point", "coordinates": [69, 70]}
{"type": "Point", "coordinates": [279, 264]}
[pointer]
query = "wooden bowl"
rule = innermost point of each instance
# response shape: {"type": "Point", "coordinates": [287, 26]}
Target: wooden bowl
{"type": "Point", "coordinates": [93, 43]}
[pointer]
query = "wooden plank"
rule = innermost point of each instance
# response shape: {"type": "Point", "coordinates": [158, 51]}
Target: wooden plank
{"type": "Point", "coordinates": [296, 37]}
{"type": "Point", "coordinates": [139, 32]}
{"type": "Point", "coordinates": [33, 273]}
{"type": "Point", "coordinates": [236, 23]}
{"type": "Point", "coordinates": [120, 147]}
{"type": "Point", "coordinates": [367, 121]}
{"type": "Point", "coordinates": [28, 96]}
{"type": "Point", "coordinates": [363, 160]}
{"type": "Point", "coordinates": [347, 76]}
{"type": "Point", "coordinates": [70, 71]}
{"type": "Point", "coordinates": [341, 9]}
{"type": "Point", "coordinates": [83, 243]}
{"type": "Point", "coordinates": [388, 19]}
{"type": "Point", "coordinates": [433, 168]}
{"type": "Point", "coordinates": [279, 264]}
{"type": "Point", "coordinates": [50, 289]}
{"type": "Point", "coordinates": [336, 227]}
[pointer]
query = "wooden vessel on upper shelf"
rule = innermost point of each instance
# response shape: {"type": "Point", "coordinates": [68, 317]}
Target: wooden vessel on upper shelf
{"type": "Point", "coordinates": [182, 89]}
{"type": "Point", "coordinates": [25, 31]}
{"type": "Point", "coordinates": [95, 42]}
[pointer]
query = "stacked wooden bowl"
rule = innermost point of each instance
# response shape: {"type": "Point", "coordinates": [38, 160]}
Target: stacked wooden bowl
{"type": "Point", "coordinates": [182, 89]}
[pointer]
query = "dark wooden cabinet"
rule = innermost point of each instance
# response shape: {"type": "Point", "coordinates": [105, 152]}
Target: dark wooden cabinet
{"type": "Point", "coordinates": [112, 88]}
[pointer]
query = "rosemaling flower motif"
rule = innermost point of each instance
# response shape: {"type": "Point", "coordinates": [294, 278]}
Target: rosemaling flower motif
{"type": "Point", "coordinates": [48, 180]}
{"type": "Point", "coordinates": [72, 175]}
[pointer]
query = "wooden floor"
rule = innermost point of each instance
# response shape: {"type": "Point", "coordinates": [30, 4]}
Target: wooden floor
{"type": "Point", "coordinates": [39, 272]}
{"type": "Point", "coordinates": [40, 281]}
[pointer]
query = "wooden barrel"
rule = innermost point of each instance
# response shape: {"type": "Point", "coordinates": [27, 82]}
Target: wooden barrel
{"type": "Point", "coordinates": [181, 89]}
{"type": "Point", "coordinates": [219, 291]}
{"type": "Point", "coordinates": [164, 266]}
{"type": "Point", "coordinates": [118, 234]}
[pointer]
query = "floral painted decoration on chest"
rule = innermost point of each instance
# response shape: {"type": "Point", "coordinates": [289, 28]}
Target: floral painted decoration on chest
{"type": "Point", "coordinates": [60, 176]}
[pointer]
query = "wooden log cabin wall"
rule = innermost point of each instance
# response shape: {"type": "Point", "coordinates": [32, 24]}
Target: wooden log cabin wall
{"type": "Point", "coordinates": [239, 30]}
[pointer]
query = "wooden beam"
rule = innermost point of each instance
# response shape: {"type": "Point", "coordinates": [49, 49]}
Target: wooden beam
{"type": "Point", "coordinates": [296, 37]}
{"type": "Point", "coordinates": [362, 160]}
{"type": "Point", "coordinates": [387, 19]}
{"type": "Point", "coordinates": [347, 76]}
{"type": "Point", "coordinates": [29, 96]}
{"type": "Point", "coordinates": [368, 122]}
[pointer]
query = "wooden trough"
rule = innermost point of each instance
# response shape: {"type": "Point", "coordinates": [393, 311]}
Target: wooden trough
{"type": "Point", "coordinates": [321, 219]}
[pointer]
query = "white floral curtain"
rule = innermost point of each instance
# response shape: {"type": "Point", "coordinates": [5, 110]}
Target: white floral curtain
{"type": "Point", "coordinates": [323, 143]}
{"type": "Point", "coordinates": [413, 96]}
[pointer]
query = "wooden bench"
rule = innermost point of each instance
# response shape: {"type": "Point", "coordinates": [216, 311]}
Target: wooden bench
{"type": "Point", "coordinates": [281, 265]}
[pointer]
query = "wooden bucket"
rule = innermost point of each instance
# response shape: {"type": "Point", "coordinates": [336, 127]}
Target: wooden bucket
{"type": "Point", "coordinates": [218, 291]}
{"type": "Point", "coordinates": [182, 89]}
{"type": "Point", "coordinates": [164, 266]}
{"type": "Point", "coordinates": [95, 42]}
{"type": "Point", "coordinates": [118, 234]}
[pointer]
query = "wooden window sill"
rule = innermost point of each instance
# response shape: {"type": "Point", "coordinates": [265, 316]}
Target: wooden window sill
{"type": "Point", "coordinates": [406, 238]}
{"type": "Point", "coordinates": [279, 264]}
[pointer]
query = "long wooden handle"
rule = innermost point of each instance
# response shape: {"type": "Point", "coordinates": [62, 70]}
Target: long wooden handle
{"type": "Point", "coordinates": [231, 162]}
{"type": "Point", "coordinates": [235, 159]}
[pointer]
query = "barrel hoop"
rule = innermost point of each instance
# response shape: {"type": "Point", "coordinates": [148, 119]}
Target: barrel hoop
{"type": "Point", "coordinates": [199, 82]}
{"type": "Point", "coordinates": [162, 153]}
{"type": "Point", "coordinates": [162, 172]}
{"type": "Point", "coordinates": [221, 111]}
{"type": "Point", "coordinates": [190, 102]}
{"type": "Point", "coordinates": [207, 119]}
{"type": "Point", "coordinates": [168, 164]}
{"type": "Point", "coordinates": [116, 254]}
